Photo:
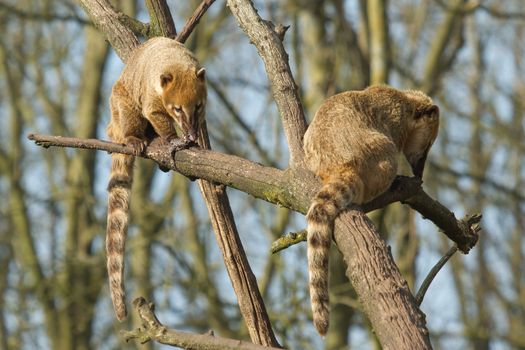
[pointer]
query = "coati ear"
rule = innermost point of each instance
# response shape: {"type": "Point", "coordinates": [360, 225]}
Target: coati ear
{"type": "Point", "coordinates": [432, 111]}
{"type": "Point", "coordinates": [165, 79]}
{"type": "Point", "coordinates": [201, 73]}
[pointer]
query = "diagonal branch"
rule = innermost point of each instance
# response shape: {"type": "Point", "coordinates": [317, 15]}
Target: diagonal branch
{"type": "Point", "coordinates": [194, 20]}
{"type": "Point", "coordinates": [285, 92]}
{"type": "Point", "coordinates": [152, 329]}
{"type": "Point", "coordinates": [106, 19]}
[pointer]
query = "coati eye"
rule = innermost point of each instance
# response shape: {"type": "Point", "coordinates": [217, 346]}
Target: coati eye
{"type": "Point", "coordinates": [198, 106]}
{"type": "Point", "coordinates": [177, 109]}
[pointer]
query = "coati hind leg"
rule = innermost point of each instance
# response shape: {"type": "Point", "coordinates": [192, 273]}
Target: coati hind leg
{"type": "Point", "coordinates": [127, 124]}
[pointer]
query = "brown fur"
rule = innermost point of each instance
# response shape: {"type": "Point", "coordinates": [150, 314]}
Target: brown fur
{"type": "Point", "coordinates": [162, 82]}
{"type": "Point", "coordinates": [352, 145]}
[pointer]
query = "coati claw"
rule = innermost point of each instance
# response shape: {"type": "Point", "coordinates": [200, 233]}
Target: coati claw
{"type": "Point", "coordinates": [138, 145]}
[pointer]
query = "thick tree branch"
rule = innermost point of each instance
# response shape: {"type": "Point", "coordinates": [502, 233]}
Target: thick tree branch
{"type": "Point", "coordinates": [152, 329]}
{"type": "Point", "coordinates": [105, 18]}
{"type": "Point", "coordinates": [160, 17]}
{"type": "Point", "coordinates": [383, 293]}
{"type": "Point", "coordinates": [285, 92]}
{"type": "Point", "coordinates": [290, 189]}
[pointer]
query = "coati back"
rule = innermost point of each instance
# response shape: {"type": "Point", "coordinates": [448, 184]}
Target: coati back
{"type": "Point", "coordinates": [162, 82]}
{"type": "Point", "coordinates": [352, 144]}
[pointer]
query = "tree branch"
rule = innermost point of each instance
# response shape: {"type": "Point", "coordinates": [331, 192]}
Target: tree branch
{"type": "Point", "coordinates": [194, 20]}
{"type": "Point", "coordinates": [152, 329]}
{"type": "Point", "coordinates": [160, 18]}
{"type": "Point", "coordinates": [106, 19]}
{"type": "Point", "coordinates": [382, 291]}
{"type": "Point", "coordinates": [287, 188]}
{"type": "Point", "coordinates": [433, 273]}
{"type": "Point", "coordinates": [285, 92]}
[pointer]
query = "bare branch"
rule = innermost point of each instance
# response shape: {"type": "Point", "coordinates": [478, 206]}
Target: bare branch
{"type": "Point", "coordinates": [152, 329]}
{"type": "Point", "coordinates": [463, 232]}
{"type": "Point", "coordinates": [290, 189]}
{"type": "Point", "coordinates": [285, 92]}
{"type": "Point", "coordinates": [288, 240]}
{"type": "Point", "coordinates": [433, 273]}
{"type": "Point", "coordinates": [382, 291]}
{"type": "Point", "coordinates": [194, 20]}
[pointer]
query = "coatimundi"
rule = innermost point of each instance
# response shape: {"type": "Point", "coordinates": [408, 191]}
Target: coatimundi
{"type": "Point", "coordinates": [352, 144]}
{"type": "Point", "coordinates": [162, 82]}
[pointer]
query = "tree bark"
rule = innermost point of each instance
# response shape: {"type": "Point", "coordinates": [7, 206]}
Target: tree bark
{"type": "Point", "coordinates": [383, 293]}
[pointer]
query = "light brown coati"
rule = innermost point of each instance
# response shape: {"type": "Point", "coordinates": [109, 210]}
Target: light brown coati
{"type": "Point", "coordinates": [162, 82]}
{"type": "Point", "coordinates": [352, 144]}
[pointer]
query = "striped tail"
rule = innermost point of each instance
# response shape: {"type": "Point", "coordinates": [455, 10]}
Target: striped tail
{"type": "Point", "coordinates": [119, 191]}
{"type": "Point", "coordinates": [331, 200]}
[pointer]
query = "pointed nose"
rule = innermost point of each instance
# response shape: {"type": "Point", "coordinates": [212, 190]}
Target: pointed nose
{"type": "Point", "coordinates": [192, 136]}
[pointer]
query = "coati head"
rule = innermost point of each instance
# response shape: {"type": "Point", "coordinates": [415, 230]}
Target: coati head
{"type": "Point", "coordinates": [184, 97]}
{"type": "Point", "coordinates": [423, 127]}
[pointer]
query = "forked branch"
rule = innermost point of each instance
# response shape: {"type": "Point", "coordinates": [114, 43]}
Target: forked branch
{"type": "Point", "coordinates": [152, 329]}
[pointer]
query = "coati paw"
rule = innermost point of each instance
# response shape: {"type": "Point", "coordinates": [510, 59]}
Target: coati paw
{"type": "Point", "coordinates": [138, 145]}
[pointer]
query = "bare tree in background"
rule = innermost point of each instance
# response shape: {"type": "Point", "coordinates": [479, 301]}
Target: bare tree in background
{"type": "Point", "coordinates": [55, 75]}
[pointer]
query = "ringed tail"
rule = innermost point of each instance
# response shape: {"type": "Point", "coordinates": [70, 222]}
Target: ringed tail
{"type": "Point", "coordinates": [119, 191]}
{"type": "Point", "coordinates": [331, 200]}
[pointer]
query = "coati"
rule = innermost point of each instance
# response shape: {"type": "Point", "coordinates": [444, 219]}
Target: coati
{"type": "Point", "coordinates": [162, 82]}
{"type": "Point", "coordinates": [352, 144]}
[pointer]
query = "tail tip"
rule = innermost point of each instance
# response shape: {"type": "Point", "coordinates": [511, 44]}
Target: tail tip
{"type": "Point", "coordinates": [121, 317]}
{"type": "Point", "coordinates": [321, 325]}
{"type": "Point", "coordinates": [121, 313]}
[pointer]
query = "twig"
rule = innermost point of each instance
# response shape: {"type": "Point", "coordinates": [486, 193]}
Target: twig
{"type": "Point", "coordinates": [432, 274]}
{"type": "Point", "coordinates": [193, 21]}
{"type": "Point", "coordinates": [152, 329]}
{"type": "Point", "coordinates": [47, 141]}
{"type": "Point", "coordinates": [288, 240]}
